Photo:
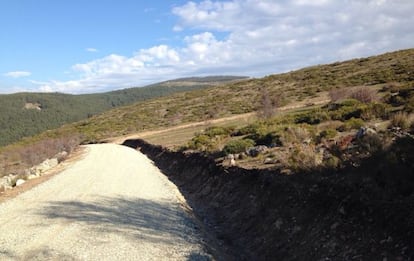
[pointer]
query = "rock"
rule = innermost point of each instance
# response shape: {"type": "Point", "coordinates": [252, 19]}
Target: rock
{"type": "Point", "coordinates": [286, 171]}
{"type": "Point", "coordinates": [232, 162]}
{"type": "Point", "coordinates": [61, 155]}
{"type": "Point", "coordinates": [269, 161]}
{"type": "Point", "coordinates": [31, 176]}
{"type": "Point", "coordinates": [256, 150]}
{"type": "Point", "coordinates": [20, 182]}
{"type": "Point", "coordinates": [45, 166]}
{"type": "Point", "coordinates": [6, 182]}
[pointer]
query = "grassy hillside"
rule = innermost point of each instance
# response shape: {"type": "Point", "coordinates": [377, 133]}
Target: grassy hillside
{"type": "Point", "coordinates": [304, 91]}
{"type": "Point", "coordinates": [392, 69]}
{"type": "Point", "coordinates": [26, 114]}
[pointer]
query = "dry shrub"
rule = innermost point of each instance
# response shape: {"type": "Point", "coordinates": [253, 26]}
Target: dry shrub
{"type": "Point", "coordinates": [400, 120]}
{"type": "Point", "coordinates": [364, 94]}
{"type": "Point", "coordinates": [268, 104]}
{"type": "Point", "coordinates": [304, 157]}
{"type": "Point", "coordinates": [338, 94]}
{"type": "Point", "coordinates": [17, 158]}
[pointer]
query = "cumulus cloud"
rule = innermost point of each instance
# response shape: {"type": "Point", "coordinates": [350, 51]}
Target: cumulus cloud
{"type": "Point", "coordinates": [18, 74]}
{"type": "Point", "coordinates": [255, 38]}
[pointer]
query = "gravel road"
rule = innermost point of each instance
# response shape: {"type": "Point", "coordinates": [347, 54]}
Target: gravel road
{"type": "Point", "coordinates": [114, 204]}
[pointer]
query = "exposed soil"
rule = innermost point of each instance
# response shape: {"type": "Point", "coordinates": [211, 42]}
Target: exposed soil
{"type": "Point", "coordinates": [350, 214]}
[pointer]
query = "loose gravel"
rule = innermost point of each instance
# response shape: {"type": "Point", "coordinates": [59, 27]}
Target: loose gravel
{"type": "Point", "coordinates": [114, 204]}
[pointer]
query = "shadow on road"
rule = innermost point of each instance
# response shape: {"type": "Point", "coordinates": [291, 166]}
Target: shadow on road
{"type": "Point", "coordinates": [157, 222]}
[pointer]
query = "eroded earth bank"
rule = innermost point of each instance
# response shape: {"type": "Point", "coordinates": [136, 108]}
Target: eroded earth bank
{"type": "Point", "coordinates": [364, 213]}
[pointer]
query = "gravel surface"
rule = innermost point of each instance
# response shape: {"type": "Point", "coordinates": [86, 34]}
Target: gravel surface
{"type": "Point", "coordinates": [114, 204]}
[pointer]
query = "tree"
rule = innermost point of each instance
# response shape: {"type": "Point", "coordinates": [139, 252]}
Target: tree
{"type": "Point", "coordinates": [268, 104]}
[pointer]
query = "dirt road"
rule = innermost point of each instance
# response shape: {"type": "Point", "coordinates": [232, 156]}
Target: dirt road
{"type": "Point", "coordinates": [111, 205]}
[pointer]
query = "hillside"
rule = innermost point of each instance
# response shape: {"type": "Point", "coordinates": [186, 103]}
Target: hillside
{"type": "Point", "coordinates": [390, 69]}
{"type": "Point", "coordinates": [26, 114]}
{"type": "Point", "coordinates": [306, 89]}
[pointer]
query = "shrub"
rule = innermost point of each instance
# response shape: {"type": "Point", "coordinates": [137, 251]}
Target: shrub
{"type": "Point", "coordinates": [237, 146]}
{"type": "Point", "coordinates": [338, 94]}
{"type": "Point", "coordinates": [364, 94]}
{"type": "Point", "coordinates": [375, 110]}
{"type": "Point", "coordinates": [270, 139]}
{"type": "Point", "coordinates": [312, 117]}
{"type": "Point", "coordinates": [400, 120]}
{"type": "Point", "coordinates": [200, 142]}
{"type": "Point", "coordinates": [346, 110]}
{"type": "Point", "coordinates": [304, 157]}
{"type": "Point", "coordinates": [297, 134]}
{"type": "Point", "coordinates": [331, 162]}
{"type": "Point", "coordinates": [351, 124]}
{"type": "Point", "coordinates": [217, 131]}
{"type": "Point", "coordinates": [327, 134]}
{"type": "Point", "coordinates": [372, 143]}
{"type": "Point", "coordinates": [255, 128]}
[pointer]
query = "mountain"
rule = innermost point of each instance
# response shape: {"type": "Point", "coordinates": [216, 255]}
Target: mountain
{"type": "Point", "coordinates": [26, 114]}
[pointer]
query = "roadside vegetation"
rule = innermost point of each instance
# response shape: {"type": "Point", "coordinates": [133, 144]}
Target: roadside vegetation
{"type": "Point", "coordinates": [361, 123]}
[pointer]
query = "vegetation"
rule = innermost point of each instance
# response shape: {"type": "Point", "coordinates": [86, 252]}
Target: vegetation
{"type": "Point", "coordinates": [26, 114]}
{"type": "Point", "coordinates": [319, 132]}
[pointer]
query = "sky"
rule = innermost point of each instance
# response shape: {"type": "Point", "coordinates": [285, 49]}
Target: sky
{"type": "Point", "coordinates": [80, 46]}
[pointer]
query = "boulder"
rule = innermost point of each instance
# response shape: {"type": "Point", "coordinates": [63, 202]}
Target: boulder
{"type": "Point", "coordinates": [61, 156]}
{"type": "Point", "coordinates": [45, 166]}
{"type": "Point", "coordinates": [7, 182]}
{"type": "Point", "coordinates": [19, 182]}
{"type": "Point", "coordinates": [256, 150]}
{"type": "Point", "coordinates": [31, 176]}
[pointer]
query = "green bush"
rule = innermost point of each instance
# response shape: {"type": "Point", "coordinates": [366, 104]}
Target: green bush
{"type": "Point", "coordinates": [238, 146]}
{"type": "Point", "coordinates": [217, 131]}
{"type": "Point", "coordinates": [346, 109]}
{"type": "Point", "coordinates": [201, 142]}
{"type": "Point", "coordinates": [331, 162]}
{"type": "Point", "coordinates": [375, 111]}
{"type": "Point", "coordinates": [351, 124]}
{"type": "Point", "coordinates": [328, 134]}
{"type": "Point", "coordinates": [270, 139]}
{"type": "Point", "coordinates": [312, 117]}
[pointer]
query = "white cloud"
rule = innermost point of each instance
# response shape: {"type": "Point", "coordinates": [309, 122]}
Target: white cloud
{"type": "Point", "coordinates": [255, 38]}
{"type": "Point", "coordinates": [18, 74]}
{"type": "Point", "coordinates": [91, 50]}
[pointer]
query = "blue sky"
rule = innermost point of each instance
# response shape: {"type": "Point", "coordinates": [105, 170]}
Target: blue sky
{"type": "Point", "coordinates": [89, 46]}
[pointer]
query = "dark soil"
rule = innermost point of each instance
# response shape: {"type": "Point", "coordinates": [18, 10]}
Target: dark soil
{"type": "Point", "coordinates": [351, 214]}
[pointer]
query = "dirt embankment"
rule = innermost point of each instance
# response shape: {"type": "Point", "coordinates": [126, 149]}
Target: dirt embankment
{"type": "Point", "coordinates": [262, 215]}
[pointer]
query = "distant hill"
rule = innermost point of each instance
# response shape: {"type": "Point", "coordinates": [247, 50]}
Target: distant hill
{"type": "Point", "coordinates": [26, 114]}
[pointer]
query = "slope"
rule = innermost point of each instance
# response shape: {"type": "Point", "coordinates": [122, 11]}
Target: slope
{"type": "Point", "coordinates": [390, 69]}
{"type": "Point", "coordinates": [26, 114]}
